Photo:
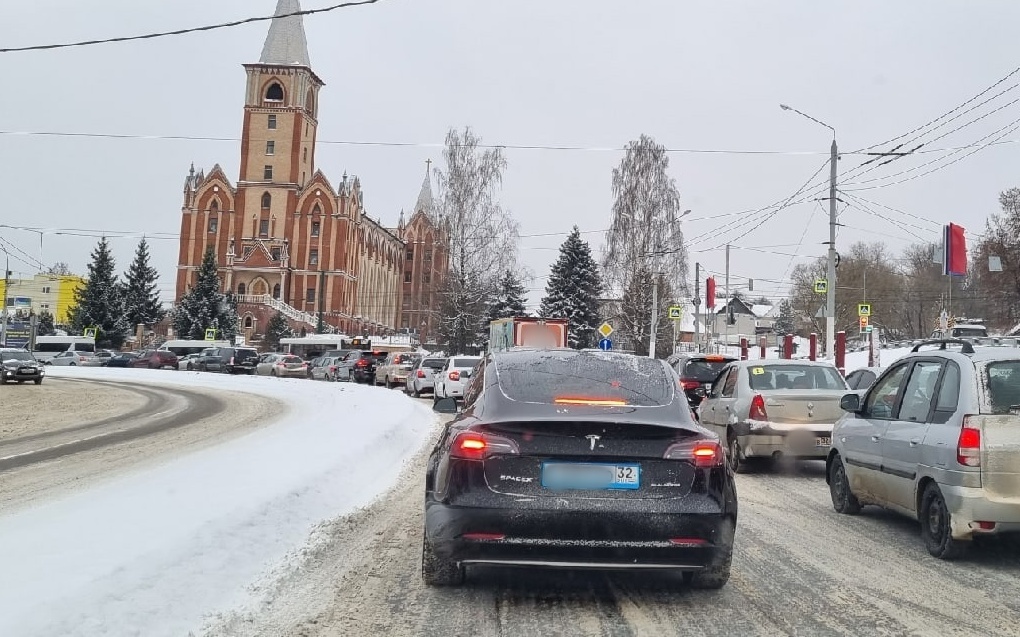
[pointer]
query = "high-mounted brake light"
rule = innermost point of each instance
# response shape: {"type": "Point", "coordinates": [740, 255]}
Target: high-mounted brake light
{"type": "Point", "coordinates": [968, 447]}
{"type": "Point", "coordinates": [454, 375]}
{"type": "Point", "coordinates": [757, 411]}
{"type": "Point", "coordinates": [714, 358]}
{"type": "Point", "coordinates": [474, 445]}
{"type": "Point", "coordinates": [703, 453]}
{"type": "Point", "coordinates": [598, 402]}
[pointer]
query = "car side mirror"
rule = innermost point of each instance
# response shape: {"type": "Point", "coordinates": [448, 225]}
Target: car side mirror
{"type": "Point", "coordinates": [445, 406]}
{"type": "Point", "coordinates": [851, 403]}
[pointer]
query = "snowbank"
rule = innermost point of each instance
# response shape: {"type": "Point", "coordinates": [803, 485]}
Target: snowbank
{"type": "Point", "coordinates": [153, 552]}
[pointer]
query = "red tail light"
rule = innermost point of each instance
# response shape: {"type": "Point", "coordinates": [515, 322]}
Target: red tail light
{"type": "Point", "coordinates": [597, 402]}
{"type": "Point", "coordinates": [690, 384]}
{"type": "Point", "coordinates": [473, 445]}
{"type": "Point", "coordinates": [968, 448]}
{"type": "Point", "coordinates": [420, 374]}
{"type": "Point", "coordinates": [688, 542]}
{"type": "Point", "coordinates": [484, 537]}
{"type": "Point", "coordinates": [361, 363]}
{"type": "Point", "coordinates": [757, 411]}
{"type": "Point", "coordinates": [332, 368]}
{"type": "Point", "coordinates": [454, 375]}
{"type": "Point", "coordinates": [703, 453]}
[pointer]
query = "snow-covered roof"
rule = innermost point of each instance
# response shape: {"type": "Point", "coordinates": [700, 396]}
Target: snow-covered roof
{"type": "Point", "coordinates": [765, 311]}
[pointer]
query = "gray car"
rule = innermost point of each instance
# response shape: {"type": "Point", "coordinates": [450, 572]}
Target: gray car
{"type": "Point", "coordinates": [936, 438]}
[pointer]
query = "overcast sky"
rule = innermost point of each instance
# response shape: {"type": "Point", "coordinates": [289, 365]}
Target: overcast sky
{"type": "Point", "coordinates": [589, 73]}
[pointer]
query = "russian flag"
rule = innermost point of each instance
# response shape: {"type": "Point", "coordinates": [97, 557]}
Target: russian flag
{"type": "Point", "coordinates": [954, 259]}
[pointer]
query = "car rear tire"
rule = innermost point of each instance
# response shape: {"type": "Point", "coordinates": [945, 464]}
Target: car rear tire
{"type": "Point", "coordinates": [416, 392]}
{"type": "Point", "coordinates": [734, 453]}
{"type": "Point", "coordinates": [38, 381]}
{"type": "Point", "coordinates": [937, 527]}
{"type": "Point", "coordinates": [718, 573]}
{"type": "Point", "coordinates": [435, 571]}
{"type": "Point", "coordinates": [843, 499]}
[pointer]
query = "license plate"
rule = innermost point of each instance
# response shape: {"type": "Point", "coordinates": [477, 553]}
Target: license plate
{"type": "Point", "coordinates": [823, 442]}
{"type": "Point", "coordinates": [590, 476]}
{"type": "Point", "coordinates": [27, 370]}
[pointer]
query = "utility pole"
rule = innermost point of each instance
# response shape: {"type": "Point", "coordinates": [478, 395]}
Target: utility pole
{"type": "Point", "coordinates": [830, 294]}
{"type": "Point", "coordinates": [729, 301]}
{"type": "Point", "coordinates": [697, 306]}
{"type": "Point", "coordinates": [655, 315]}
{"type": "Point", "coordinates": [7, 292]}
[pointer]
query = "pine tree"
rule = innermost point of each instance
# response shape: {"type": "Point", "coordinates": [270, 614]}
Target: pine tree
{"type": "Point", "coordinates": [509, 299]}
{"type": "Point", "coordinates": [276, 329]}
{"type": "Point", "coordinates": [100, 303]}
{"type": "Point", "coordinates": [573, 291]}
{"type": "Point", "coordinates": [45, 325]}
{"type": "Point", "coordinates": [141, 294]}
{"type": "Point", "coordinates": [204, 307]}
{"type": "Point", "coordinates": [784, 322]}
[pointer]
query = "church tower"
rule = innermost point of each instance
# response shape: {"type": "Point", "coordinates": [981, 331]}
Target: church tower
{"type": "Point", "coordinates": [280, 122]}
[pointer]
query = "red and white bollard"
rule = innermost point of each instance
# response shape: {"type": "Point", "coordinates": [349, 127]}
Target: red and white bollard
{"type": "Point", "coordinates": [743, 349]}
{"type": "Point", "coordinates": [841, 352]}
{"type": "Point", "coordinates": [788, 346]}
{"type": "Point", "coordinates": [813, 354]}
{"type": "Point", "coordinates": [761, 345]}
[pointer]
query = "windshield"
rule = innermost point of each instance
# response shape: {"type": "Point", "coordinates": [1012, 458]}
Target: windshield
{"type": "Point", "coordinates": [765, 377]}
{"type": "Point", "coordinates": [970, 332]}
{"type": "Point", "coordinates": [550, 377]}
{"type": "Point", "coordinates": [1003, 386]}
{"type": "Point", "coordinates": [16, 356]}
{"type": "Point", "coordinates": [703, 370]}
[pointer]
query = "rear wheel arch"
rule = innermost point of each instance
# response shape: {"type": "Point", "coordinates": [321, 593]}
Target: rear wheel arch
{"type": "Point", "coordinates": [833, 454]}
{"type": "Point", "coordinates": [922, 486]}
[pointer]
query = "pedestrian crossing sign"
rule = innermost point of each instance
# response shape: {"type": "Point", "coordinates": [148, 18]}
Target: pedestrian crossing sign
{"type": "Point", "coordinates": [676, 312]}
{"type": "Point", "coordinates": [864, 309]}
{"type": "Point", "coordinates": [821, 286]}
{"type": "Point", "coordinates": [210, 334]}
{"type": "Point", "coordinates": [90, 332]}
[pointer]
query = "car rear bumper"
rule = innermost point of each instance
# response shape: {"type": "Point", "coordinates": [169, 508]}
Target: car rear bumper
{"type": "Point", "coordinates": [579, 539]}
{"type": "Point", "coordinates": [970, 505]}
{"type": "Point", "coordinates": [797, 443]}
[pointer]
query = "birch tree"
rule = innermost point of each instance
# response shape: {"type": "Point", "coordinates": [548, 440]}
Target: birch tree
{"type": "Point", "coordinates": [482, 236]}
{"type": "Point", "coordinates": [645, 233]}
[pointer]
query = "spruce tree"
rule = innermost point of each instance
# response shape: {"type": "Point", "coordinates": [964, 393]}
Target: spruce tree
{"type": "Point", "coordinates": [573, 291]}
{"type": "Point", "coordinates": [100, 302]}
{"type": "Point", "coordinates": [204, 307]}
{"type": "Point", "coordinates": [509, 299]}
{"type": "Point", "coordinates": [45, 326]}
{"type": "Point", "coordinates": [784, 323]}
{"type": "Point", "coordinates": [141, 294]}
{"type": "Point", "coordinates": [276, 329]}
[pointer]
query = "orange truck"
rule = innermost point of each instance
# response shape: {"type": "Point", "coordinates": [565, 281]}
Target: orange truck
{"type": "Point", "coordinates": [527, 331]}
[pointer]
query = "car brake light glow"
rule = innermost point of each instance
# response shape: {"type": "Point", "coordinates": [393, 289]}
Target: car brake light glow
{"type": "Point", "coordinates": [714, 358]}
{"type": "Point", "coordinates": [420, 374]}
{"type": "Point", "coordinates": [690, 384]}
{"type": "Point", "coordinates": [968, 447]}
{"type": "Point", "coordinates": [757, 411]}
{"type": "Point", "coordinates": [454, 375]}
{"type": "Point", "coordinates": [474, 445]}
{"type": "Point", "coordinates": [703, 453]}
{"type": "Point", "coordinates": [598, 402]}
{"type": "Point", "coordinates": [361, 363]}
{"type": "Point", "coordinates": [687, 541]}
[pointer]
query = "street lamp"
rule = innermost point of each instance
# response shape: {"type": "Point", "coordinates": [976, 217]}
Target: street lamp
{"type": "Point", "coordinates": [830, 293]}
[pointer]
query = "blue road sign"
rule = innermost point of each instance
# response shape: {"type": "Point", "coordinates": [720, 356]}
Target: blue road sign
{"type": "Point", "coordinates": [605, 344]}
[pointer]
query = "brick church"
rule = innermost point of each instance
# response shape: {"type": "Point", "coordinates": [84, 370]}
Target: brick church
{"type": "Point", "coordinates": [286, 239]}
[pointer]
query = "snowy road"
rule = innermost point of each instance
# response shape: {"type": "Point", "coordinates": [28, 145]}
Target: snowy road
{"type": "Point", "coordinates": [799, 569]}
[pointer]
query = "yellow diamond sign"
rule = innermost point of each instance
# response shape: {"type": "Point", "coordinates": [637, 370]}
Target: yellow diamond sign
{"type": "Point", "coordinates": [605, 330]}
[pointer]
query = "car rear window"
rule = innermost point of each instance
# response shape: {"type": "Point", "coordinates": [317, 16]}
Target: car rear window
{"type": "Point", "coordinates": [703, 370]}
{"type": "Point", "coordinates": [765, 377]}
{"type": "Point", "coordinates": [434, 363]}
{"type": "Point", "coordinates": [1003, 385]}
{"type": "Point", "coordinates": [465, 362]}
{"type": "Point", "coordinates": [584, 377]}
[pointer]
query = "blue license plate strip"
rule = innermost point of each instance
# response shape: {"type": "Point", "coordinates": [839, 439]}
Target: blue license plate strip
{"type": "Point", "coordinates": [591, 476]}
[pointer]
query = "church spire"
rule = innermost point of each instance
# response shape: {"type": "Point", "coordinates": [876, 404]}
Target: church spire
{"type": "Point", "coordinates": [286, 44]}
{"type": "Point", "coordinates": [425, 202]}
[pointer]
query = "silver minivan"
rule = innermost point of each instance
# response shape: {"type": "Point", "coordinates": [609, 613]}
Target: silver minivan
{"type": "Point", "coordinates": [936, 438]}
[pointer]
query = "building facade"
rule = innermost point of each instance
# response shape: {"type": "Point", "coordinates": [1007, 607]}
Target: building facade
{"type": "Point", "coordinates": [51, 293]}
{"type": "Point", "coordinates": [286, 240]}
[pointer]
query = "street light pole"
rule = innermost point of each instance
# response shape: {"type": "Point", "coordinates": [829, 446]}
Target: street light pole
{"type": "Point", "coordinates": [830, 283]}
{"type": "Point", "coordinates": [7, 291]}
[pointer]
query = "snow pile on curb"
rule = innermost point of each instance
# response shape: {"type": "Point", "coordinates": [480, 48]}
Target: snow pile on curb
{"type": "Point", "coordinates": [153, 552]}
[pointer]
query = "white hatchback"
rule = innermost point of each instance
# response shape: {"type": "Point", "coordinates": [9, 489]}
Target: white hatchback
{"type": "Point", "coordinates": [453, 378]}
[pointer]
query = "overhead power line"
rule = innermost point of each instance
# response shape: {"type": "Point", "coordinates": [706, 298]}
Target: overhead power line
{"type": "Point", "coordinates": [163, 34]}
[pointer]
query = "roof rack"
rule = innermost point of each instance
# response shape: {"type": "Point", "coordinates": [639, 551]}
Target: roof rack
{"type": "Point", "coordinates": [965, 346]}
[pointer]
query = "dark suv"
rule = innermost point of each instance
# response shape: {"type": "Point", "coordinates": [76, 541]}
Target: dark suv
{"type": "Point", "coordinates": [19, 365]}
{"type": "Point", "coordinates": [230, 360]}
{"type": "Point", "coordinates": [697, 372]}
{"type": "Point", "coordinates": [363, 368]}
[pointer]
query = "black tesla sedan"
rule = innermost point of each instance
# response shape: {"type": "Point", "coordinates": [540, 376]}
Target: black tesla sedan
{"type": "Point", "coordinates": [577, 459]}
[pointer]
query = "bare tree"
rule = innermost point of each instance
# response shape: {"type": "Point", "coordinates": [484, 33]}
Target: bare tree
{"type": "Point", "coordinates": [1000, 290]}
{"type": "Point", "coordinates": [645, 233]}
{"type": "Point", "coordinates": [483, 237]}
{"type": "Point", "coordinates": [59, 269]}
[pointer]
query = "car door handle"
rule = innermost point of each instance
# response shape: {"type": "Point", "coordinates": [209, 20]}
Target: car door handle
{"type": "Point", "coordinates": [876, 438]}
{"type": "Point", "coordinates": [914, 442]}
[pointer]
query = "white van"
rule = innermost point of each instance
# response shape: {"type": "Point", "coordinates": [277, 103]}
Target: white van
{"type": "Point", "coordinates": [183, 347]}
{"type": "Point", "coordinates": [46, 347]}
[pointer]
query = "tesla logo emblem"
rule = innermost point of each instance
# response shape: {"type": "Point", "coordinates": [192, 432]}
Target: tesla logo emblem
{"type": "Point", "coordinates": [592, 438]}
{"type": "Point", "coordinates": [810, 405]}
